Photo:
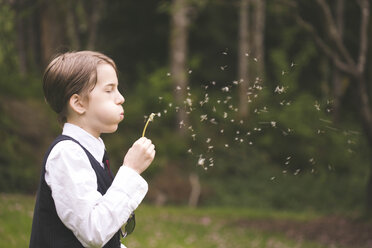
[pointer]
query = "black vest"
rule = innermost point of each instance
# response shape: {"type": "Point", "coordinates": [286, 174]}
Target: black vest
{"type": "Point", "coordinates": [48, 231]}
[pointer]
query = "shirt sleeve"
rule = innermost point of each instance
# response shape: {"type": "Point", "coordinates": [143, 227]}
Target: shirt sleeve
{"type": "Point", "coordinates": [93, 218]}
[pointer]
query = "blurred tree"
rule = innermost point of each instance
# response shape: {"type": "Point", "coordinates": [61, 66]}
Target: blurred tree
{"type": "Point", "coordinates": [251, 43]}
{"type": "Point", "coordinates": [350, 60]}
{"type": "Point", "coordinates": [178, 54]}
{"type": "Point", "coordinates": [244, 47]}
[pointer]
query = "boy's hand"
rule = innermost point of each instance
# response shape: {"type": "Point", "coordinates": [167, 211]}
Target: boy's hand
{"type": "Point", "coordinates": [140, 155]}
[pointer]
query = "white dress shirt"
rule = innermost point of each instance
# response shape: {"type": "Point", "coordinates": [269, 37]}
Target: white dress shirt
{"type": "Point", "coordinates": [93, 218]}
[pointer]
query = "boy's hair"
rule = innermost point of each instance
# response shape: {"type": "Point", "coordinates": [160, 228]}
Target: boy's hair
{"type": "Point", "coordinates": [71, 73]}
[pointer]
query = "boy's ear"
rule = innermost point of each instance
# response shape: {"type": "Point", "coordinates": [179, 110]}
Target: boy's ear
{"type": "Point", "coordinates": [77, 104]}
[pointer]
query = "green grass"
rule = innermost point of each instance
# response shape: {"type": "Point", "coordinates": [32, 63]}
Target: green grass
{"type": "Point", "coordinates": [166, 226]}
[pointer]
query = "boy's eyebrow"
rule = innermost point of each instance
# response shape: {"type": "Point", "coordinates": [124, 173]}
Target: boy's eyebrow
{"type": "Point", "coordinates": [111, 84]}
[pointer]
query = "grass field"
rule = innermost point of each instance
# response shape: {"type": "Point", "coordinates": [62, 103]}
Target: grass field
{"type": "Point", "coordinates": [175, 227]}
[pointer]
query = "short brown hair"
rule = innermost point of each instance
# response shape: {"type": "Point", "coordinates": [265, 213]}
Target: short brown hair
{"type": "Point", "coordinates": [71, 73]}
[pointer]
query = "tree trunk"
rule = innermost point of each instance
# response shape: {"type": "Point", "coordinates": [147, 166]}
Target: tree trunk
{"type": "Point", "coordinates": [50, 30]}
{"type": "Point", "coordinates": [243, 58]}
{"type": "Point", "coordinates": [20, 30]}
{"type": "Point", "coordinates": [195, 190]}
{"type": "Point", "coordinates": [178, 55]}
{"type": "Point", "coordinates": [258, 36]}
{"type": "Point", "coordinates": [366, 117]}
{"type": "Point", "coordinates": [338, 86]}
{"type": "Point", "coordinates": [95, 16]}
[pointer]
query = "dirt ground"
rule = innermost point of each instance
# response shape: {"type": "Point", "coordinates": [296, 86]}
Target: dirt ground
{"type": "Point", "coordinates": [334, 231]}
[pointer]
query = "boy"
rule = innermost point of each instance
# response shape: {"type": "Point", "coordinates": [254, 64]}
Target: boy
{"type": "Point", "coordinates": [79, 202]}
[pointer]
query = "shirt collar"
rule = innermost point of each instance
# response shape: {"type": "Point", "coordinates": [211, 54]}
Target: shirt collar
{"type": "Point", "coordinates": [95, 146]}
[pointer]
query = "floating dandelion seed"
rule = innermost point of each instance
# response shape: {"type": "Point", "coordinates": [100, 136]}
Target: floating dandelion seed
{"type": "Point", "coordinates": [208, 140]}
{"type": "Point", "coordinates": [273, 123]}
{"type": "Point", "coordinates": [221, 131]}
{"type": "Point", "coordinates": [246, 54]}
{"type": "Point", "coordinates": [151, 118]}
{"type": "Point", "coordinates": [201, 160]}
{"type": "Point", "coordinates": [189, 151]}
{"type": "Point", "coordinates": [188, 101]}
{"type": "Point", "coordinates": [168, 74]}
{"type": "Point", "coordinates": [225, 89]}
{"type": "Point", "coordinates": [224, 115]}
{"type": "Point", "coordinates": [193, 136]}
{"type": "Point", "coordinates": [203, 118]}
{"type": "Point", "coordinates": [178, 88]}
{"type": "Point", "coordinates": [210, 148]}
{"type": "Point", "coordinates": [226, 145]}
{"type": "Point", "coordinates": [223, 67]}
{"type": "Point", "coordinates": [297, 172]}
{"type": "Point", "coordinates": [255, 59]}
{"type": "Point", "coordinates": [182, 124]}
{"type": "Point", "coordinates": [213, 121]}
{"type": "Point", "coordinates": [190, 71]}
{"type": "Point", "coordinates": [279, 89]}
{"type": "Point", "coordinates": [317, 105]}
{"type": "Point", "coordinates": [272, 178]}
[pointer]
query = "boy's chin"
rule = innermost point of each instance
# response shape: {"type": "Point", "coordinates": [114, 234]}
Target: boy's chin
{"type": "Point", "coordinates": [111, 129]}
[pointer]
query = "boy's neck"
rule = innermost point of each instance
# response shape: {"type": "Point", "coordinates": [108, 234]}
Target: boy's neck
{"type": "Point", "coordinates": [82, 126]}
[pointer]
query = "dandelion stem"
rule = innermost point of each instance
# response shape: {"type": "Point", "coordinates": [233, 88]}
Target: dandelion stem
{"type": "Point", "coordinates": [151, 117]}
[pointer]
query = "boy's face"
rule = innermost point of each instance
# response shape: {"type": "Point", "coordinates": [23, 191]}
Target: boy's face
{"type": "Point", "coordinates": [104, 110]}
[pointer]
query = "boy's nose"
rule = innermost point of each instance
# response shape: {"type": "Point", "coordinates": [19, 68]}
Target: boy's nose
{"type": "Point", "coordinates": [121, 99]}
